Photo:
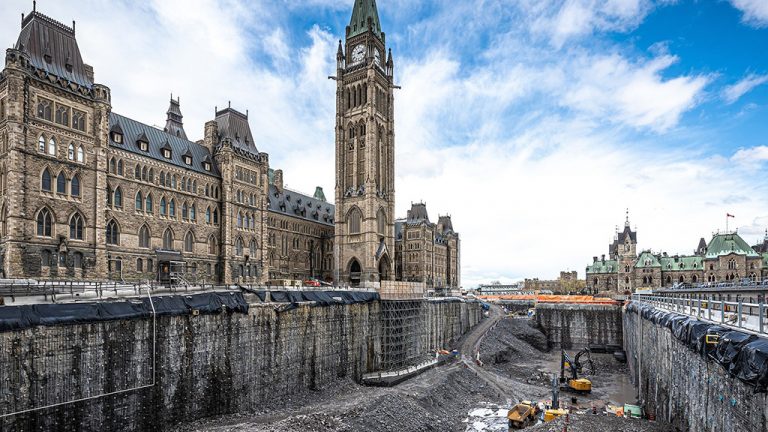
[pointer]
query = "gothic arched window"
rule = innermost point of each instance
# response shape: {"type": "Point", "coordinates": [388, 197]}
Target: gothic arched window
{"type": "Point", "coordinates": [168, 239]}
{"type": "Point", "coordinates": [45, 180]}
{"type": "Point", "coordinates": [148, 206]}
{"type": "Point", "coordinates": [44, 223]}
{"type": "Point", "coordinates": [189, 242]}
{"type": "Point", "coordinates": [144, 238]}
{"type": "Point", "coordinates": [354, 220]}
{"type": "Point", "coordinates": [76, 227]}
{"type": "Point", "coordinates": [113, 233]}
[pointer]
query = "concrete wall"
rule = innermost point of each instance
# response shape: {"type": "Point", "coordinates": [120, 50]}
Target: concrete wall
{"type": "Point", "coordinates": [573, 326]}
{"type": "Point", "coordinates": [680, 386]}
{"type": "Point", "coordinates": [205, 365]}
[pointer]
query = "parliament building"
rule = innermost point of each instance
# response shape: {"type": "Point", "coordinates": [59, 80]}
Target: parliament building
{"type": "Point", "coordinates": [87, 193]}
{"type": "Point", "coordinates": [726, 258]}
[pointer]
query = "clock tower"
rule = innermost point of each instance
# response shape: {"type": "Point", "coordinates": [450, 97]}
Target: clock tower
{"type": "Point", "coordinates": [365, 152]}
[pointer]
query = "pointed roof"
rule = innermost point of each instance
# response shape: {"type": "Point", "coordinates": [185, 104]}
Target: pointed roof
{"type": "Point", "coordinates": [52, 47]}
{"type": "Point", "coordinates": [233, 125]}
{"type": "Point", "coordinates": [418, 213]}
{"type": "Point", "coordinates": [726, 244]}
{"type": "Point", "coordinates": [174, 124]}
{"type": "Point", "coordinates": [361, 13]}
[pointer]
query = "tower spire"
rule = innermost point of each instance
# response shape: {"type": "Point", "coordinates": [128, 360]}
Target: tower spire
{"type": "Point", "coordinates": [365, 15]}
{"type": "Point", "coordinates": [626, 221]}
{"type": "Point", "coordinates": [174, 124]}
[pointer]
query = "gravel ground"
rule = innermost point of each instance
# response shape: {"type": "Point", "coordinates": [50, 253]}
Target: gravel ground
{"type": "Point", "coordinates": [453, 397]}
{"type": "Point", "coordinates": [597, 423]}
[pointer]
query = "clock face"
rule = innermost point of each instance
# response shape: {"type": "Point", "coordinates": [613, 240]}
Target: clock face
{"type": "Point", "coordinates": [358, 54]}
{"type": "Point", "coordinates": [377, 57]}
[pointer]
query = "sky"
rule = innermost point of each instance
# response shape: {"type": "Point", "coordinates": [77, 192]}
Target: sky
{"type": "Point", "coordinates": [535, 124]}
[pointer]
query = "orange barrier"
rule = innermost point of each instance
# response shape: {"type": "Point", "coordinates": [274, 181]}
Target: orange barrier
{"type": "Point", "coordinates": [580, 299]}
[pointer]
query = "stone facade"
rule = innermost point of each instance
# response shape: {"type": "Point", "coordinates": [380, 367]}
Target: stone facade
{"type": "Point", "coordinates": [425, 251]}
{"type": "Point", "coordinates": [726, 258]}
{"type": "Point", "coordinates": [90, 194]}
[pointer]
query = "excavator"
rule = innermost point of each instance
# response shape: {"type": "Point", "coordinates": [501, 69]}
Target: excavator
{"type": "Point", "coordinates": [575, 368]}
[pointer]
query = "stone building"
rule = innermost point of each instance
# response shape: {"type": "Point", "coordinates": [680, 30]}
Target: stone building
{"type": "Point", "coordinates": [365, 151]}
{"type": "Point", "coordinates": [725, 258]}
{"type": "Point", "coordinates": [88, 193]}
{"type": "Point", "coordinates": [426, 251]}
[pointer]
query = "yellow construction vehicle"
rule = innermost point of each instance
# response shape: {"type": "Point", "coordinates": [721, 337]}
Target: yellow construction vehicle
{"type": "Point", "coordinates": [576, 367]}
{"type": "Point", "coordinates": [522, 415]}
{"type": "Point", "coordinates": [554, 411]}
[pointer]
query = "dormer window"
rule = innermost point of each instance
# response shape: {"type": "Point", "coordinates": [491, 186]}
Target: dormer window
{"type": "Point", "coordinates": [188, 160]}
{"type": "Point", "coordinates": [207, 166]}
{"type": "Point", "coordinates": [167, 153]}
{"type": "Point", "coordinates": [117, 137]}
{"type": "Point", "coordinates": [143, 145]}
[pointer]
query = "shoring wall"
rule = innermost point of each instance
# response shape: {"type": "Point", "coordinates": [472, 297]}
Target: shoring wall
{"type": "Point", "coordinates": [679, 385]}
{"type": "Point", "coordinates": [205, 365]}
{"type": "Point", "coordinates": [573, 326]}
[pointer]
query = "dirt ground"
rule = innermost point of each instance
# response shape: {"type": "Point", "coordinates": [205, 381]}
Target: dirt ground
{"type": "Point", "coordinates": [459, 396]}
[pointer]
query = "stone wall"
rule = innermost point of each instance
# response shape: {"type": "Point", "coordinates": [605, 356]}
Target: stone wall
{"type": "Point", "coordinates": [680, 386]}
{"type": "Point", "coordinates": [204, 365]}
{"type": "Point", "coordinates": [574, 326]}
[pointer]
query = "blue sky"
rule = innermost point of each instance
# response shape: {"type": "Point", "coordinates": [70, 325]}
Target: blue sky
{"type": "Point", "coordinates": [534, 123]}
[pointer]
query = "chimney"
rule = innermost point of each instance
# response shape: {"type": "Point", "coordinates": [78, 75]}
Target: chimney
{"type": "Point", "coordinates": [279, 180]}
{"type": "Point", "coordinates": [89, 72]}
{"type": "Point", "coordinates": [594, 259]}
{"type": "Point", "coordinates": [211, 139]}
{"type": "Point", "coordinates": [602, 258]}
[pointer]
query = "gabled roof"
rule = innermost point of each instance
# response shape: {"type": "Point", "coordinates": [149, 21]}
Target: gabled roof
{"type": "Point", "coordinates": [298, 205]}
{"type": "Point", "coordinates": [647, 260]}
{"type": "Point", "coordinates": [362, 11]}
{"type": "Point", "coordinates": [726, 244]}
{"type": "Point", "coordinates": [603, 267]}
{"type": "Point", "coordinates": [158, 139]}
{"type": "Point", "coordinates": [682, 263]}
{"type": "Point", "coordinates": [627, 233]}
{"type": "Point", "coordinates": [52, 47]}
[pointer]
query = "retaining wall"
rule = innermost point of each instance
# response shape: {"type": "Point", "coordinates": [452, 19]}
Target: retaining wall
{"type": "Point", "coordinates": [574, 326]}
{"type": "Point", "coordinates": [204, 365]}
{"type": "Point", "coordinates": [683, 387]}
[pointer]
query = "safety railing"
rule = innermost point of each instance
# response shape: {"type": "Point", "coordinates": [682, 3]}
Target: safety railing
{"type": "Point", "coordinates": [751, 317]}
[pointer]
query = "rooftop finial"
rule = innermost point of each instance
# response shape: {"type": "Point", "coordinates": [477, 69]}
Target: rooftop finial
{"type": "Point", "coordinates": [229, 104]}
{"type": "Point", "coordinates": [34, 5]}
{"type": "Point", "coordinates": [626, 221]}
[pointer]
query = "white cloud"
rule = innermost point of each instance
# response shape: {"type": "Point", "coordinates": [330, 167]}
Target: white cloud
{"type": "Point", "coordinates": [751, 158]}
{"type": "Point", "coordinates": [734, 92]}
{"type": "Point", "coordinates": [755, 11]}
{"type": "Point", "coordinates": [635, 94]}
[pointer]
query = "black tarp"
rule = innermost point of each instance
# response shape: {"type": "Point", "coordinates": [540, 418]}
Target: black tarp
{"type": "Point", "coordinates": [753, 364]}
{"type": "Point", "coordinates": [728, 349]}
{"type": "Point", "coordinates": [324, 298]}
{"type": "Point", "coordinates": [26, 316]}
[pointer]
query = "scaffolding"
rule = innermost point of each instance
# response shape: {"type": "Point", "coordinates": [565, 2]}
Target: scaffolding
{"type": "Point", "coordinates": [403, 334]}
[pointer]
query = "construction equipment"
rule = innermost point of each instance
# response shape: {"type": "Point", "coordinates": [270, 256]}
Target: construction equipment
{"type": "Point", "coordinates": [523, 415]}
{"type": "Point", "coordinates": [554, 411]}
{"type": "Point", "coordinates": [576, 367]}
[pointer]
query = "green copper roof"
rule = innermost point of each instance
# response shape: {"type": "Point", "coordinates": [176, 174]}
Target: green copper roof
{"type": "Point", "coordinates": [647, 260]}
{"type": "Point", "coordinates": [609, 266]}
{"type": "Point", "coordinates": [363, 10]}
{"type": "Point", "coordinates": [726, 244]}
{"type": "Point", "coordinates": [681, 263]}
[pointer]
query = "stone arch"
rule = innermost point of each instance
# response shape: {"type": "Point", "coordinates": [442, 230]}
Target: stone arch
{"type": "Point", "coordinates": [385, 268]}
{"type": "Point", "coordinates": [355, 270]}
{"type": "Point", "coordinates": [354, 220]}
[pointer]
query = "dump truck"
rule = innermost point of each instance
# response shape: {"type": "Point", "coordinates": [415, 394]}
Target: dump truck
{"type": "Point", "coordinates": [523, 414]}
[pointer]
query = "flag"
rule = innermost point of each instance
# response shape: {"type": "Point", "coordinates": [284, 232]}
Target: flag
{"type": "Point", "coordinates": [729, 215]}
